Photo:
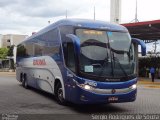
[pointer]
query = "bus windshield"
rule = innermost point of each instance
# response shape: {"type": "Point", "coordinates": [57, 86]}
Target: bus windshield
{"type": "Point", "coordinates": [105, 54]}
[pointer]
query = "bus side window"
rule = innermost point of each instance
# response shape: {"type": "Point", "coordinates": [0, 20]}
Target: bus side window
{"type": "Point", "coordinates": [21, 52]}
{"type": "Point", "coordinates": [70, 56]}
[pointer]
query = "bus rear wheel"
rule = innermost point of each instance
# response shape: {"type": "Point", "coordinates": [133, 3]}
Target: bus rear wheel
{"type": "Point", "coordinates": [24, 81]}
{"type": "Point", "coordinates": [59, 94]}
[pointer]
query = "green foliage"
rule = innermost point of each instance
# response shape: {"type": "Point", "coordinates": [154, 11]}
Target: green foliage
{"type": "Point", "coordinates": [146, 63]}
{"type": "Point", "coordinates": [3, 53]}
{"type": "Point", "coordinates": [10, 51]}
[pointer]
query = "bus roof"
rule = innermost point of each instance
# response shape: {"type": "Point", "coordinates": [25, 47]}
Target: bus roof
{"type": "Point", "coordinates": [82, 23]}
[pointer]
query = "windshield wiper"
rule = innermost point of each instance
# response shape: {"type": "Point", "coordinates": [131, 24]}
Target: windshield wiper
{"type": "Point", "coordinates": [116, 59]}
{"type": "Point", "coordinates": [103, 66]}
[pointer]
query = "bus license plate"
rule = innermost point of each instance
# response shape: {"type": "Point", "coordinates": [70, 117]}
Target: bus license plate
{"type": "Point", "coordinates": [111, 99]}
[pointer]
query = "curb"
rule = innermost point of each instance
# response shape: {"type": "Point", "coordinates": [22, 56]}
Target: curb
{"type": "Point", "coordinates": [7, 73]}
{"type": "Point", "coordinates": [149, 84]}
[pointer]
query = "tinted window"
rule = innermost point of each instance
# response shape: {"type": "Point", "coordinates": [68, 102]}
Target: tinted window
{"type": "Point", "coordinates": [48, 44]}
{"type": "Point", "coordinates": [38, 46]}
{"type": "Point", "coordinates": [70, 57]}
{"type": "Point", "coordinates": [64, 30]}
{"type": "Point", "coordinates": [29, 46]}
{"type": "Point", "coordinates": [21, 51]}
{"type": "Point", "coordinates": [105, 54]}
{"type": "Point", "coordinates": [119, 41]}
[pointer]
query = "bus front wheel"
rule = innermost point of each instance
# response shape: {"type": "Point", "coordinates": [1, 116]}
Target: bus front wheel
{"type": "Point", "coordinates": [59, 94]}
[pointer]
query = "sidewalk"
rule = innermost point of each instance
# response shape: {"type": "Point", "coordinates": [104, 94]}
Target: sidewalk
{"type": "Point", "coordinates": [7, 74]}
{"type": "Point", "coordinates": [147, 82]}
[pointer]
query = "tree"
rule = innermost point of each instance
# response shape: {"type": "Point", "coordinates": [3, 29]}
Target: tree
{"type": "Point", "coordinates": [146, 63]}
{"type": "Point", "coordinates": [3, 53]}
{"type": "Point", "coordinates": [10, 51]}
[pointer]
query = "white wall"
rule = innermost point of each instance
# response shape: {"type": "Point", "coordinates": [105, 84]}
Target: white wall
{"type": "Point", "coordinates": [1, 42]}
{"type": "Point", "coordinates": [115, 11]}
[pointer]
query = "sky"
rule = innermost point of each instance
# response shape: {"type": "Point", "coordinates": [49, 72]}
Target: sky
{"type": "Point", "coordinates": [27, 16]}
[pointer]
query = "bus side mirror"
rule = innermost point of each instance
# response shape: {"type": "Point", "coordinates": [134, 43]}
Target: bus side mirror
{"type": "Point", "coordinates": [141, 43]}
{"type": "Point", "coordinates": [76, 42]}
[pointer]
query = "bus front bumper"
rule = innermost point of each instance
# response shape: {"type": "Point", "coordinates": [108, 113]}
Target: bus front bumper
{"type": "Point", "coordinates": [81, 96]}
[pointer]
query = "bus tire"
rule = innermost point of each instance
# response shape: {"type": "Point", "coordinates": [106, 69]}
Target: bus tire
{"type": "Point", "coordinates": [24, 81]}
{"type": "Point", "coordinates": [59, 94]}
{"type": "Point", "coordinates": [21, 77]}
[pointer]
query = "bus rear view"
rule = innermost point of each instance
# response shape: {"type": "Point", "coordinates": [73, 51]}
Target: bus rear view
{"type": "Point", "coordinates": [97, 62]}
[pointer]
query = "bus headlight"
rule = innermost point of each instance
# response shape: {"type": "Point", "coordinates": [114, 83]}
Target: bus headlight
{"type": "Point", "coordinates": [134, 86]}
{"type": "Point", "coordinates": [86, 87]}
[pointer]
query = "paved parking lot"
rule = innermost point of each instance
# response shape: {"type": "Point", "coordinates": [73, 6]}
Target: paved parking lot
{"type": "Point", "coordinates": [14, 99]}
